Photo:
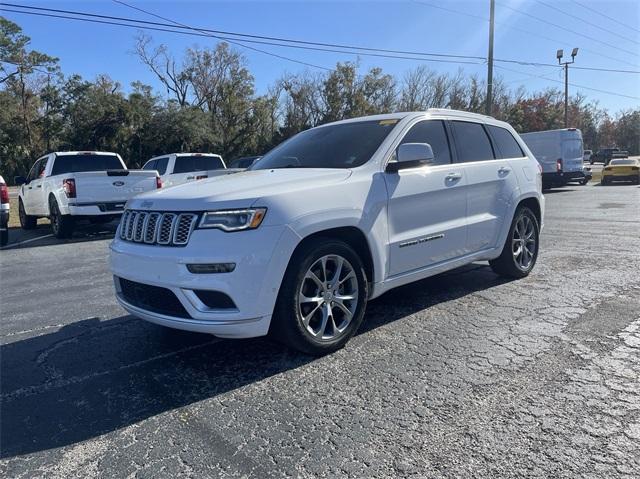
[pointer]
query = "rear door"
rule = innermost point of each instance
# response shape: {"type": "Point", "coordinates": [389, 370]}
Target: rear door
{"type": "Point", "coordinates": [572, 153]}
{"type": "Point", "coordinates": [491, 182]}
{"type": "Point", "coordinates": [427, 205]}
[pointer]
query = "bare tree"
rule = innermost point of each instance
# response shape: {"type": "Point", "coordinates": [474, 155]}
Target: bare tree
{"type": "Point", "coordinates": [164, 66]}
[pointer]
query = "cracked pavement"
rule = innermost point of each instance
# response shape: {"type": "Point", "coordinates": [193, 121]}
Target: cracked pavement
{"type": "Point", "coordinates": [460, 375]}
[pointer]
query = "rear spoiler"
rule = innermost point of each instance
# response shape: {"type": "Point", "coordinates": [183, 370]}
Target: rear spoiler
{"type": "Point", "coordinates": [117, 172]}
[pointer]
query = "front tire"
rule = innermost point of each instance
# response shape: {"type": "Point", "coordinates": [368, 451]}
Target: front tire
{"type": "Point", "coordinates": [27, 222]}
{"type": "Point", "coordinates": [520, 250]}
{"type": "Point", "coordinates": [62, 225]}
{"type": "Point", "coordinates": [322, 299]}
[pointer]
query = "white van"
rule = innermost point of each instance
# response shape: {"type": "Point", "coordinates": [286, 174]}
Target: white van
{"type": "Point", "coordinates": [560, 153]}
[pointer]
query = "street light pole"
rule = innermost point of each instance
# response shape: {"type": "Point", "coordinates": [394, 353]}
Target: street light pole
{"type": "Point", "coordinates": [559, 55]}
{"type": "Point", "coordinates": [490, 60]}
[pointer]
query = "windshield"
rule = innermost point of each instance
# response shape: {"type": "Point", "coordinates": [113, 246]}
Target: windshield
{"type": "Point", "coordinates": [345, 145]}
{"type": "Point", "coordinates": [85, 162]}
{"type": "Point", "coordinates": [622, 162]}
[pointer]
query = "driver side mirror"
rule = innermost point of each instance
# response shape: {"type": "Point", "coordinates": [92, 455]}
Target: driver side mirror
{"type": "Point", "coordinates": [20, 180]}
{"type": "Point", "coordinates": [411, 155]}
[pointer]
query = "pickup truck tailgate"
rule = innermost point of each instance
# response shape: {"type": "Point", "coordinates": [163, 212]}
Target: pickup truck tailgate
{"type": "Point", "coordinates": [112, 186]}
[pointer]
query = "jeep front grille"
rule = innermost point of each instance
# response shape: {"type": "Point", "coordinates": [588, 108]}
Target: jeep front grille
{"type": "Point", "coordinates": [153, 227]}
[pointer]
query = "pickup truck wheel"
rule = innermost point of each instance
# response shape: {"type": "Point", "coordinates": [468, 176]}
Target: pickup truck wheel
{"type": "Point", "coordinates": [520, 250]}
{"type": "Point", "coordinates": [27, 222]}
{"type": "Point", "coordinates": [62, 225]}
{"type": "Point", "coordinates": [322, 299]}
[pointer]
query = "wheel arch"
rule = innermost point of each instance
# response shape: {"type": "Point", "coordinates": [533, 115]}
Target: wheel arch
{"type": "Point", "coordinates": [353, 236]}
{"type": "Point", "coordinates": [533, 204]}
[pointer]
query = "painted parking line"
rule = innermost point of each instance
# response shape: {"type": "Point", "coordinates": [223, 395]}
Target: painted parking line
{"type": "Point", "coordinates": [25, 242]}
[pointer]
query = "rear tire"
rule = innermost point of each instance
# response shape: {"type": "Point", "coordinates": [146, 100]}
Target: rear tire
{"type": "Point", "coordinates": [322, 299]}
{"type": "Point", "coordinates": [520, 250]}
{"type": "Point", "coordinates": [62, 225]}
{"type": "Point", "coordinates": [27, 222]}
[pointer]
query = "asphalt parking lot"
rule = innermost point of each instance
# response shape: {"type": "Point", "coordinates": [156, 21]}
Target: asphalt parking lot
{"type": "Point", "coordinates": [461, 375]}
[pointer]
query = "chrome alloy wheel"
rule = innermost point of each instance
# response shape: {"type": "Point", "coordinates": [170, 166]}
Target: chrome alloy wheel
{"type": "Point", "coordinates": [328, 297]}
{"type": "Point", "coordinates": [524, 243]}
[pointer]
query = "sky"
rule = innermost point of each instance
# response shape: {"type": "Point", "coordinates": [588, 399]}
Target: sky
{"type": "Point", "coordinates": [607, 33]}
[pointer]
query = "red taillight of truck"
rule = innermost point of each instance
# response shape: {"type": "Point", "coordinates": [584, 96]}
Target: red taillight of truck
{"type": "Point", "coordinates": [69, 187]}
{"type": "Point", "coordinates": [4, 194]}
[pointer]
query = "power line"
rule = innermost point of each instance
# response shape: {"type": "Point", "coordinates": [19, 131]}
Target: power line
{"type": "Point", "coordinates": [298, 44]}
{"type": "Point", "coordinates": [535, 34]}
{"type": "Point", "coordinates": [246, 35]}
{"type": "Point", "coordinates": [588, 37]}
{"type": "Point", "coordinates": [606, 16]}
{"type": "Point", "coordinates": [572, 84]}
{"type": "Point", "coordinates": [610, 32]}
{"type": "Point", "coordinates": [191, 33]}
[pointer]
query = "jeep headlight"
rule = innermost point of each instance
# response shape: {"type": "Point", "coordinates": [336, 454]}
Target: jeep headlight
{"type": "Point", "coordinates": [233, 220]}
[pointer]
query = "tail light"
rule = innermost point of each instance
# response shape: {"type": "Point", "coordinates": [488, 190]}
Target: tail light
{"type": "Point", "coordinates": [201, 177]}
{"type": "Point", "coordinates": [559, 166]}
{"type": "Point", "coordinates": [69, 186]}
{"type": "Point", "coordinates": [4, 194]}
{"type": "Point", "coordinates": [158, 182]}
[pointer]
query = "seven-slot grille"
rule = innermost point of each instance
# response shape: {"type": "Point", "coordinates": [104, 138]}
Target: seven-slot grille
{"type": "Point", "coordinates": [152, 227]}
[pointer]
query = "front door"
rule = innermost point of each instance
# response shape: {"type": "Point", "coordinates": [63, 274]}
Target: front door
{"type": "Point", "coordinates": [426, 205]}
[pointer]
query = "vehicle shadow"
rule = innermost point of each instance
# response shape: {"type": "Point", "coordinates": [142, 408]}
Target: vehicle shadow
{"type": "Point", "coordinates": [93, 377]}
{"type": "Point", "coordinates": [43, 236]}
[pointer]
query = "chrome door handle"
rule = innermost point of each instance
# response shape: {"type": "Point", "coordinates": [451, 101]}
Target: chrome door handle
{"type": "Point", "coordinates": [39, 186]}
{"type": "Point", "coordinates": [502, 170]}
{"type": "Point", "coordinates": [453, 176]}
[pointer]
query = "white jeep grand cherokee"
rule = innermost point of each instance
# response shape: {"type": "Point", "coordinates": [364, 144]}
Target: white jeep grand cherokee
{"type": "Point", "coordinates": [333, 217]}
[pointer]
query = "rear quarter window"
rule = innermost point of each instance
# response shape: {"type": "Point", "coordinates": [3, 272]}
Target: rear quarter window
{"type": "Point", "coordinates": [506, 144]}
{"type": "Point", "coordinates": [472, 142]}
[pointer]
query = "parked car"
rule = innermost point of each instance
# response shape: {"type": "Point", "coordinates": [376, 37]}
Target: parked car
{"type": "Point", "coordinates": [4, 212]}
{"type": "Point", "coordinates": [621, 169]}
{"type": "Point", "coordinates": [605, 155]}
{"type": "Point", "coordinates": [329, 219]}
{"type": "Point", "coordinates": [559, 152]}
{"type": "Point", "coordinates": [244, 162]}
{"type": "Point", "coordinates": [74, 185]}
{"type": "Point", "coordinates": [586, 155]}
{"type": "Point", "coordinates": [178, 168]}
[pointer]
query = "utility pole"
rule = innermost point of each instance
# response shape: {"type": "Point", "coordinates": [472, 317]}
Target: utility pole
{"type": "Point", "coordinates": [559, 55]}
{"type": "Point", "coordinates": [490, 59]}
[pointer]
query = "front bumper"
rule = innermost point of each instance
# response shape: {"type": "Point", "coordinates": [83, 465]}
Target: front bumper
{"type": "Point", "coordinates": [261, 257]}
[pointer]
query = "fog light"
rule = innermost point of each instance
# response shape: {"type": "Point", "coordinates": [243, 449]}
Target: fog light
{"type": "Point", "coordinates": [211, 268]}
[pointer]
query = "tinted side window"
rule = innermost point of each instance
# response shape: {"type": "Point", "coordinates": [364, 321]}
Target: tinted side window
{"type": "Point", "coordinates": [161, 165]}
{"type": "Point", "coordinates": [36, 169]}
{"type": "Point", "coordinates": [472, 142]}
{"type": "Point", "coordinates": [85, 162]}
{"type": "Point", "coordinates": [507, 145]}
{"type": "Point", "coordinates": [434, 133]}
{"type": "Point", "coordinates": [150, 165]}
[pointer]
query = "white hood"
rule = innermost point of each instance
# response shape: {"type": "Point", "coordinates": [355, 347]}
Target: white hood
{"type": "Point", "coordinates": [239, 190]}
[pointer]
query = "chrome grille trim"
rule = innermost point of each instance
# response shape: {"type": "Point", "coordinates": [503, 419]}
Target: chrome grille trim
{"type": "Point", "coordinates": [159, 228]}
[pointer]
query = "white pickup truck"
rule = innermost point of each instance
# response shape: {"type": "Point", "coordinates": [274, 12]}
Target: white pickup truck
{"type": "Point", "coordinates": [178, 168]}
{"type": "Point", "coordinates": [70, 185]}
